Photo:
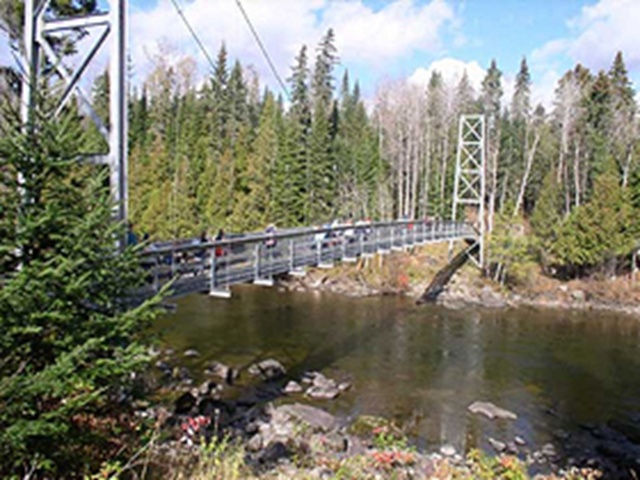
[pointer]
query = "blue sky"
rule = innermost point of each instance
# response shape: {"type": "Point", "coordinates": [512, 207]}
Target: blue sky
{"type": "Point", "coordinates": [391, 40]}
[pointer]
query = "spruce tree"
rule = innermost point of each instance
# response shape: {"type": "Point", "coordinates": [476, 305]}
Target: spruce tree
{"type": "Point", "coordinates": [69, 336]}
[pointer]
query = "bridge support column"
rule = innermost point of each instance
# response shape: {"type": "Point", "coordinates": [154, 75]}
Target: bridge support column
{"type": "Point", "coordinates": [214, 289]}
{"type": "Point", "coordinates": [469, 183]}
{"type": "Point", "coordinates": [258, 279]}
{"type": "Point", "coordinates": [293, 270]}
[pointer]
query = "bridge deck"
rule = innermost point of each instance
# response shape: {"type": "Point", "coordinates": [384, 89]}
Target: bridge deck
{"type": "Point", "coordinates": [195, 266]}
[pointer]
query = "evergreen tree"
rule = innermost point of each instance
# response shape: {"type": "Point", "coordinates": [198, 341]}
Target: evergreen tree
{"type": "Point", "coordinates": [623, 131]}
{"type": "Point", "coordinates": [521, 101]}
{"type": "Point", "coordinates": [597, 233]}
{"type": "Point", "coordinates": [69, 339]}
{"type": "Point", "coordinates": [253, 210]}
{"type": "Point", "coordinates": [547, 217]}
{"type": "Point", "coordinates": [491, 97]}
{"type": "Point", "coordinates": [296, 162]}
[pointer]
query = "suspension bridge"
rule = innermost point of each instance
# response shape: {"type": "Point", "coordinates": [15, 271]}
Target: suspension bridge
{"type": "Point", "coordinates": [214, 266]}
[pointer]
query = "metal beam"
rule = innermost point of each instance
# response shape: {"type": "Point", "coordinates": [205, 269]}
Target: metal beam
{"type": "Point", "coordinates": [469, 183]}
{"type": "Point", "coordinates": [38, 28]}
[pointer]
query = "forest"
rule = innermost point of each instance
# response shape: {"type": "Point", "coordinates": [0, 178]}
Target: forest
{"type": "Point", "coordinates": [562, 184]}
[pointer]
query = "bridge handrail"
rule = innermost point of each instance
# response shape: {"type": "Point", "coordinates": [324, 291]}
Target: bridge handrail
{"type": "Point", "coordinates": [256, 237]}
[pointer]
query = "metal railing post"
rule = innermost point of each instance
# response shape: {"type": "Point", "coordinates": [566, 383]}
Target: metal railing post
{"type": "Point", "coordinates": [212, 279]}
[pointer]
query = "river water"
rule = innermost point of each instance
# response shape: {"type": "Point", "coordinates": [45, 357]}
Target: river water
{"type": "Point", "coordinates": [562, 372]}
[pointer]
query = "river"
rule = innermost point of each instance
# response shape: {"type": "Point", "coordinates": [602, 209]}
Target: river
{"type": "Point", "coordinates": [562, 372]}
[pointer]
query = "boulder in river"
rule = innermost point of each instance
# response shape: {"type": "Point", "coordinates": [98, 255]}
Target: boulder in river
{"type": "Point", "coordinates": [220, 370]}
{"type": "Point", "coordinates": [322, 393]}
{"type": "Point", "coordinates": [491, 411]}
{"type": "Point", "coordinates": [292, 387]}
{"type": "Point", "coordinates": [497, 445]}
{"type": "Point", "coordinates": [268, 369]}
{"type": "Point", "coordinates": [191, 353]}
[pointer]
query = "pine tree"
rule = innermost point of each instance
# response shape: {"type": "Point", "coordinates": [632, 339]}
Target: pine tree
{"type": "Point", "coordinates": [521, 101]}
{"type": "Point", "coordinates": [253, 210]}
{"type": "Point", "coordinates": [69, 339]}
{"type": "Point", "coordinates": [547, 217]}
{"type": "Point", "coordinates": [491, 97]}
{"type": "Point", "coordinates": [623, 129]}
{"type": "Point", "coordinates": [296, 145]}
{"type": "Point", "coordinates": [597, 233]}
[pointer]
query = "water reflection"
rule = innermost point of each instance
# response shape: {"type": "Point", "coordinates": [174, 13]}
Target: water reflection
{"type": "Point", "coordinates": [425, 365]}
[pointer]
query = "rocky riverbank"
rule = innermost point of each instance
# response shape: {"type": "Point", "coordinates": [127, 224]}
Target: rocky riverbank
{"type": "Point", "coordinates": [261, 421]}
{"type": "Point", "coordinates": [410, 274]}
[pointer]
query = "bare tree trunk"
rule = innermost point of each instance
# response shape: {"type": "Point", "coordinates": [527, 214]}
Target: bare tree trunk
{"type": "Point", "coordinates": [527, 171]}
{"type": "Point", "coordinates": [627, 165]}
{"type": "Point", "coordinates": [427, 174]}
{"type": "Point", "coordinates": [576, 175]}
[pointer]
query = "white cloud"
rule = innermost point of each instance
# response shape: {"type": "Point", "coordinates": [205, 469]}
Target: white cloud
{"type": "Point", "coordinates": [5, 52]}
{"type": "Point", "coordinates": [376, 37]}
{"type": "Point", "coordinates": [452, 71]}
{"type": "Point", "coordinates": [598, 32]}
{"type": "Point", "coordinates": [364, 36]}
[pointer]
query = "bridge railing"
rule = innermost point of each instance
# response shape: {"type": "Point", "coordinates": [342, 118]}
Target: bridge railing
{"type": "Point", "coordinates": [193, 265]}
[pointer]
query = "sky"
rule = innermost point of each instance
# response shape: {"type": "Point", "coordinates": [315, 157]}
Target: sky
{"type": "Point", "coordinates": [389, 40]}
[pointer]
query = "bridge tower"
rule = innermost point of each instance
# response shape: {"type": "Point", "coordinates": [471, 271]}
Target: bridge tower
{"type": "Point", "coordinates": [105, 27]}
{"type": "Point", "coordinates": [469, 184]}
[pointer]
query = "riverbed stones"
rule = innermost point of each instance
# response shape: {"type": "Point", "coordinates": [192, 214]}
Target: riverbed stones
{"type": "Point", "coordinates": [491, 411]}
{"type": "Point", "coordinates": [448, 450]}
{"type": "Point", "coordinates": [292, 387]}
{"type": "Point", "coordinates": [497, 445]}
{"type": "Point", "coordinates": [191, 353]}
{"type": "Point", "coordinates": [269, 369]}
{"type": "Point", "coordinates": [222, 371]}
{"type": "Point", "coordinates": [578, 295]}
{"type": "Point", "coordinates": [323, 388]}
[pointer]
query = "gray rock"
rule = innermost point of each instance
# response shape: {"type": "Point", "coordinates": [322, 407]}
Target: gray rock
{"type": "Point", "coordinates": [220, 370]}
{"type": "Point", "coordinates": [268, 369]}
{"type": "Point", "coordinates": [316, 418]}
{"type": "Point", "coordinates": [191, 353]}
{"type": "Point", "coordinates": [355, 446]}
{"type": "Point", "coordinates": [511, 448]}
{"type": "Point", "coordinates": [548, 450]}
{"type": "Point", "coordinates": [448, 450]}
{"type": "Point", "coordinates": [344, 386]}
{"type": "Point", "coordinates": [520, 441]}
{"type": "Point", "coordinates": [251, 428]}
{"type": "Point", "coordinates": [292, 387]}
{"type": "Point", "coordinates": [206, 388]}
{"type": "Point", "coordinates": [255, 443]}
{"type": "Point", "coordinates": [322, 393]}
{"type": "Point", "coordinates": [319, 380]}
{"type": "Point", "coordinates": [274, 452]}
{"type": "Point", "coordinates": [497, 445]}
{"type": "Point", "coordinates": [578, 295]}
{"type": "Point", "coordinates": [163, 366]}
{"type": "Point", "coordinates": [491, 411]}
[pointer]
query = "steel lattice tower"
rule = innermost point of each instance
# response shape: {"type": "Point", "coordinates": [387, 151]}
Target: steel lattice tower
{"type": "Point", "coordinates": [469, 184]}
{"type": "Point", "coordinates": [39, 28]}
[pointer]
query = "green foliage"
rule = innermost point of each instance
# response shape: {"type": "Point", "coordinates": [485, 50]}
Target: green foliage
{"type": "Point", "coordinates": [69, 339]}
{"type": "Point", "coordinates": [510, 250]}
{"type": "Point", "coordinates": [600, 231]}
{"type": "Point", "coordinates": [546, 217]}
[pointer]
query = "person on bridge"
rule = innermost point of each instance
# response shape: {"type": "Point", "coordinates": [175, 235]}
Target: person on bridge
{"type": "Point", "coordinates": [132, 238]}
{"type": "Point", "coordinates": [219, 249]}
{"type": "Point", "coordinates": [271, 231]}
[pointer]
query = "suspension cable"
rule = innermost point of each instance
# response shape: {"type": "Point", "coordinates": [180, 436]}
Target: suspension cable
{"type": "Point", "coordinates": [263, 49]}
